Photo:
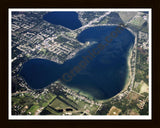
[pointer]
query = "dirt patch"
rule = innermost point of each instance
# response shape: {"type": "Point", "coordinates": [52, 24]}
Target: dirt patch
{"type": "Point", "coordinates": [114, 111]}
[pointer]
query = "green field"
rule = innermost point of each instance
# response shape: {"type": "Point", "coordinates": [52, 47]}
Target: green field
{"type": "Point", "coordinates": [58, 104]}
{"type": "Point", "coordinates": [33, 109]}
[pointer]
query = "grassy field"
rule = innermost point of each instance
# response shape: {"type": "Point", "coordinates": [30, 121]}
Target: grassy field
{"type": "Point", "coordinates": [69, 102]}
{"type": "Point", "coordinates": [33, 109]}
{"type": "Point", "coordinates": [53, 112]}
{"type": "Point", "coordinates": [62, 103]}
{"type": "Point", "coordinates": [141, 87]}
{"type": "Point", "coordinates": [93, 109]}
{"type": "Point", "coordinates": [58, 104]}
{"type": "Point", "coordinates": [144, 87]}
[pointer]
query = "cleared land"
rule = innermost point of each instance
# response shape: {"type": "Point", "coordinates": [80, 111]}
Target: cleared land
{"type": "Point", "coordinates": [144, 87]}
{"type": "Point", "coordinates": [114, 111]}
{"type": "Point", "coordinates": [126, 16]}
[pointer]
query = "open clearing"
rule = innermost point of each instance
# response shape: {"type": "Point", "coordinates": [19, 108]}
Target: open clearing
{"type": "Point", "coordinates": [114, 111]}
{"type": "Point", "coordinates": [58, 104]}
{"type": "Point", "coordinates": [144, 87]}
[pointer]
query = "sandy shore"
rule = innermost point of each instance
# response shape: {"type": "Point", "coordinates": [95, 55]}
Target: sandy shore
{"type": "Point", "coordinates": [129, 74]}
{"type": "Point", "coordinates": [128, 79]}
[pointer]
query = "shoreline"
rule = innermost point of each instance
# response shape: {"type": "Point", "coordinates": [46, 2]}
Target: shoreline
{"type": "Point", "coordinates": [129, 73]}
{"type": "Point", "coordinates": [126, 83]}
{"type": "Point", "coordinates": [80, 92]}
{"type": "Point", "coordinates": [128, 79]}
{"type": "Point", "coordinates": [125, 87]}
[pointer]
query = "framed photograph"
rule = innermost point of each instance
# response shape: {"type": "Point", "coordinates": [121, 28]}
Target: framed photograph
{"type": "Point", "coordinates": [80, 64]}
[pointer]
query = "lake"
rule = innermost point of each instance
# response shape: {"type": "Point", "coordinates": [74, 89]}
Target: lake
{"type": "Point", "coordinates": [102, 78]}
{"type": "Point", "coordinates": [66, 19]}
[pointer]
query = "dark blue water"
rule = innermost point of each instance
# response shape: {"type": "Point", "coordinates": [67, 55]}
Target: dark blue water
{"type": "Point", "coordinates": [103, 77]}
{"type": "Point", "coordinates": [66, 19]}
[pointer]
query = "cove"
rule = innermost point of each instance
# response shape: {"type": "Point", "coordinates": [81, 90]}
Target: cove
{"type": "Point", "coordinates": [102, 78]}
{"type": "Point", "coordinates": [66, 19]}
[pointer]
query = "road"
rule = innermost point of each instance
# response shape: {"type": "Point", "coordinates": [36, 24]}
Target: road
{"type": "Point", "coordinates": [93, 21]}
